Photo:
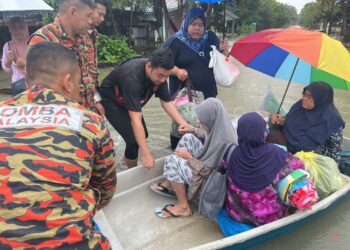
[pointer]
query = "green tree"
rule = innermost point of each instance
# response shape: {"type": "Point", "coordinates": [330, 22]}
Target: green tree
{"type": "Point", "coordinates": [309, 17]}
{"type": "Point", "coordinates": [328, 11]}
{"type": "Point", "coordinates": [266, 14]}
{"type": "Point", "coordinates": [48, 17]}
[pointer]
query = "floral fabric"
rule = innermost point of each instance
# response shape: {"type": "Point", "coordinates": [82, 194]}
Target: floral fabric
{"type": "Point", "coordinates": [333, 146]}
{"type": "Point", "coordinates": [261, 207]}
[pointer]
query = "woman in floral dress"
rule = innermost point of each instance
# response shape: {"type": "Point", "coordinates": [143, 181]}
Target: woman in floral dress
{"type": "Point", "coordinates": [254, 169]}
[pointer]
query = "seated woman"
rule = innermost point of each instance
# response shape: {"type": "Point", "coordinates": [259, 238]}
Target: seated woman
{"type": "Point", "coordinates": [254, 169]}
{"type": "Point", "coordinates": [193, 160]}
{"type": "Point", "coordinates": [313, 123]}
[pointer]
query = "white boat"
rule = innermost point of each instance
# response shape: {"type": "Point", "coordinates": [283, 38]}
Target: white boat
{"type": "Point", "coordinates": [130, 223]}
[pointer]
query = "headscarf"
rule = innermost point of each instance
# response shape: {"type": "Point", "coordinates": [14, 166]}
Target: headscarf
{"type": "Point", "coordinates": [254, 164]}
{"type": "Point", "coordinates": [307, 129]}
{"type": "Point", "coordinates": [220, 136]}
{"type": "Point", "coordinates": [196, 45]}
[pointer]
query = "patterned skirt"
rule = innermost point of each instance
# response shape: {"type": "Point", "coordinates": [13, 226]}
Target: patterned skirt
{"type": "Point", "coordinates": [177, 169]}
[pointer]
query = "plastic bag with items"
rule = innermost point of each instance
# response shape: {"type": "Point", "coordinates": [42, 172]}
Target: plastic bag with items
{"type": "Point", "coordinates": [324, 173]}
{"type": "Point", "coordinates": [270, 105]}
{"type": "Point", "coordinates": [297, 190]}
{"type": "Point", "coordinates": [225, 71]}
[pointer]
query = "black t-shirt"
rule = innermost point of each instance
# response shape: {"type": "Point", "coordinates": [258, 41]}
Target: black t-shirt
{"type": "Point", "coordinates": [201, 76]}
{"type": "Point", "coordinates": [128, 86]}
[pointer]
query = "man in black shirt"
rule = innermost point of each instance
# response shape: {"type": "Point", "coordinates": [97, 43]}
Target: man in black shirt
{"type": "Point", "coordinates": [127, 89]}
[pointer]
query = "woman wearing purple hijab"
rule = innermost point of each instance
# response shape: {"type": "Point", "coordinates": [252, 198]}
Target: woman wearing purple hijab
{"type": "Point", "coordinates": [254, 169]}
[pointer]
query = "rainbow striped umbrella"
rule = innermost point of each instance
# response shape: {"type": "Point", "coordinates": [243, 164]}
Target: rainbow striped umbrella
{"type": "Point", "coordinates": [297, 55]}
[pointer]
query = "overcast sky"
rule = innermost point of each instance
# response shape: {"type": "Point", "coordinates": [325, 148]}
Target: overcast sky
{"type": "Point", "coordinates": [299, 4]}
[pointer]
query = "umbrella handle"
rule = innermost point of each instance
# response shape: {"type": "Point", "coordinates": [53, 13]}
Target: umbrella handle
{"type": "Point", "coordinates": [285, 92]}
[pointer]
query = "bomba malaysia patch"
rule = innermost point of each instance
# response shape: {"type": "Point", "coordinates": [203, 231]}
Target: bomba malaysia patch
{"type": "Point", "coordinates": [41, 115]}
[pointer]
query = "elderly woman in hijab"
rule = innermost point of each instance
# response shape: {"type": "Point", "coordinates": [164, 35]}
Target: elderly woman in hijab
{"type": "Point", "coordinates": [191, 46]}
{"type": "Point", "coordinates": [254, 169]}
{"type": "Point", "coordinates": [194, 159]}
{"type": "Point", "coordinates": [14, 51]}
{"type": "Point", "coordinates": [313, 123]}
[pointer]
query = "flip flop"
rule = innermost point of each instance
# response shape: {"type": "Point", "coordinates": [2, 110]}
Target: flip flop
{"type": "Point", "coordinates": [159, 212]}
{"type": "Point", "coordinates": [163, 190]}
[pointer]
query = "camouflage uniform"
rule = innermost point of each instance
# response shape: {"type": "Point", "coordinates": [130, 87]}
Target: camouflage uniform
{"type": "Point", "coordinates": [56, 169]}
{"type": "Point", "coordinates": [85, 53]}
{"type": "Point", "coordinates": [89, 42]}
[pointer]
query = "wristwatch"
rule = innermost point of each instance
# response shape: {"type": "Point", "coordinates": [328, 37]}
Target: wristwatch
{"type": "Point", "coordinates": [97, 98]}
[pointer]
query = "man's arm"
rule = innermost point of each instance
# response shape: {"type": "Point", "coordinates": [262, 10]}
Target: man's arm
{"type": "Point", "coordinates": [170, 108]}
{"type": "Point", "coordinates": [103, 177]}
{"type": "Point", "coordinates": [139, 133]}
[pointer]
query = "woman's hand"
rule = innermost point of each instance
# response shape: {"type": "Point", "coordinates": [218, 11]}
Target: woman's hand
{"type": "Point", "coordinates": [10, 58]}
{"type": "Point", "coordinates": [186, 128]}
{"type": "Point", "coordinates": [224, 46]}
{"type": "Point", "coordinates": [21, 64]}
{"type": "Point", "coordinates": [182, 74]}
{"type": "Point", "coordinates": [183, 154]}
{"type": "Point", "coordinates": [277, 119]}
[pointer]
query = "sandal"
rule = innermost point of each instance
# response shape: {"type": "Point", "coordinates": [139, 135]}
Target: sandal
{"type": "Point", "coordinates": [160, 189]}
{"type": "Point", "coordinates": [159, 211]}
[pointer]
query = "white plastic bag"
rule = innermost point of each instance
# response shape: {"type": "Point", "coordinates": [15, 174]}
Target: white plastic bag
{"type": "Point", "coordinates": [225, 71]}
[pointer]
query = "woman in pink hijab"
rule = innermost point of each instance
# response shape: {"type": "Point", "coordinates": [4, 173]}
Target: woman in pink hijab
{"type": "Point", "coordinates": [14, 51]}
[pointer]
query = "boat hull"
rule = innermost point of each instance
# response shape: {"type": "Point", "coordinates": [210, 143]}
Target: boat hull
{"type": "Point", "coordinates": [129, 221]}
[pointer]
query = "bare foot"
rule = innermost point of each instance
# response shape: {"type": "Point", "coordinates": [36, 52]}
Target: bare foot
{"type": "Point", "coordinates": [177, 211]}
{"type": "Point", "coordinates": [166, 184]}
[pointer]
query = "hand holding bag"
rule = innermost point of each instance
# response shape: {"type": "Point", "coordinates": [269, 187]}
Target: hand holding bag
{"type": "Point", "coordinates": [225, 71]}
{"type": "Point", "coordinates": [186, 99]}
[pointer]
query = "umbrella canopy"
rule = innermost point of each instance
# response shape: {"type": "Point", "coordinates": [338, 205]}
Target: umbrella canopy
{"type": "Point", "coordinates": [297, 55]}
{"type": "Point", "coordinates": [27, 7]}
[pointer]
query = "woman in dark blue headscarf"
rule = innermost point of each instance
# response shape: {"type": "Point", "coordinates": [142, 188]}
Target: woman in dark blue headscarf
{"type": "Point", "coordinates": [254, 168]}
{"type": "Point", "coordinates": [314, 123]}
{"type": "Point", "coordinates": [191, 47]}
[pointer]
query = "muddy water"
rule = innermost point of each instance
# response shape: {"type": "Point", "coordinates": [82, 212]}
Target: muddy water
{"type": "Point", "coordinates": [329, 231]}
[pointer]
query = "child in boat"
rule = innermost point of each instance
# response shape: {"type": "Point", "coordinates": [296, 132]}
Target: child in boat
{"type": "Point", "coordinates": [254, 169]}
{"type": "Point", "coordinates": [193, 160]}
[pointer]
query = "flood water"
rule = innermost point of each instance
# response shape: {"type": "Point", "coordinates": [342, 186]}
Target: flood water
{"type": "Point", "coordinates": [329, 231]}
